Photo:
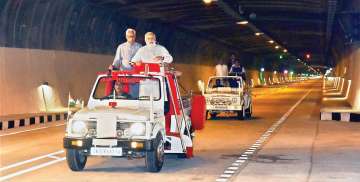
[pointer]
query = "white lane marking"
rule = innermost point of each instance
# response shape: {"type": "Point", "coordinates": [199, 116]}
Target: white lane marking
{"type": "Point", "coordinates": [221, 180]}
{"type": "Point", "coordinates": [54, 157]}
{"type": "Point", "coordinates": [3, 178]}
{"type": "Point", "coordinates": [30, 160]}
{"type": "Point", "coordinates": [226, 175]}
{"type": "Point", "coordinates": [243, 159]}
{"type": "Point", "coordinates": [235, 164]}
{"type": "Point", "coordinates": [233, 168]}
{"type": "Point", "coordinates": [40, 128]}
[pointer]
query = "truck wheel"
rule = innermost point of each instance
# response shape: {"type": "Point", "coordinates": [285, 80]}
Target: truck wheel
{"type": "Point", "coordinates": [241, 114]}
{"type": "Point", "coordinates": [154, 160]}
{"type": "Point", "coordinates": [213, 115]}
{"type": "Point", "coordinates": [76, 160]}
{"type": "Point", "coordinates": [248, 112]}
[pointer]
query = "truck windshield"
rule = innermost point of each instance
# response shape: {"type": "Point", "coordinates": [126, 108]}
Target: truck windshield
{"type": "Point", "coordinates": [127, 88]}
{"type": "Point", "coordinates": [224, 82]}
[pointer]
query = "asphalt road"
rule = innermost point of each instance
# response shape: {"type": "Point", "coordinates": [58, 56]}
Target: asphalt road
{"type": "Point", "coordinates": [38, 155]}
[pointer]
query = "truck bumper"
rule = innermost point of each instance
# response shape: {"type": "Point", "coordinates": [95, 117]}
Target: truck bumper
{"type": "Point", "coordinates": [126, 145]}
{"type": "Point", "coordinates": [215, 108]}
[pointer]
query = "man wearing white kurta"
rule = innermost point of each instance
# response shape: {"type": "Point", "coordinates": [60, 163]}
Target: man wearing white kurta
{"type": "Point", "coordinates": [126, 51]}
{"type": "Point", "coordinates": [152, 52]}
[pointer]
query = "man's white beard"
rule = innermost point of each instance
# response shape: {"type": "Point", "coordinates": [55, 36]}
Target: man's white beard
{"type": "Point", "coordinates": [152, 45]}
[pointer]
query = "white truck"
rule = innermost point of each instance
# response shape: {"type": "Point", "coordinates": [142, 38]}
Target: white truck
{"type": "Point", "coordinates": [228, 94]}
{"type": "Point", "coordinates": [134, 114]}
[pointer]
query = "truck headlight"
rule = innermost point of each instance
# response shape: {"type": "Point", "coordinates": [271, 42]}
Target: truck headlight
{"type": "Point", "coordinates": [79, 127]}
{"type": "Point", "coordinates": [137, 129]}
{"type": "Point", "coordinates": [234, 100]}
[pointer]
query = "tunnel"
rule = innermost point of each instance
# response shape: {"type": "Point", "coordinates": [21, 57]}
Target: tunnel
{"type": "Point", "coordinates": [235, 90]}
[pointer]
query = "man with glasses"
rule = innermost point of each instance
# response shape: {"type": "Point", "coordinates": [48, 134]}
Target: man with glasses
{"type": "Point", "coordinates": [125, 52]}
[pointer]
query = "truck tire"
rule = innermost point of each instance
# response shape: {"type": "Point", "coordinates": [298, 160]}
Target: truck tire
{"type": "Point", "coordinates": [198, 112]}
{"type": "Point", "coordinates": [154, 160]}
{"type": "Point", "coordinates": [75, 159]}
{"type": "Point", "coordinates": [248, 112]}
{"type": "Point", "coordinates": [241, 114]}
{"type": "Point", "coordinates": [213, 115]}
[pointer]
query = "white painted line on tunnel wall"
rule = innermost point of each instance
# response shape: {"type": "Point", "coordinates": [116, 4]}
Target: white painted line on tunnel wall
{"type": "Point", "coordinates": [40, 128]}
{"type": "Point", "coordinates": [243, 159]}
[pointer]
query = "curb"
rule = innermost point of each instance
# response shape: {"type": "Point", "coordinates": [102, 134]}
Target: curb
{"type": "Point", "coordinates": [340, 116]}
{"type": "Point", "coordinates": [34, 119]}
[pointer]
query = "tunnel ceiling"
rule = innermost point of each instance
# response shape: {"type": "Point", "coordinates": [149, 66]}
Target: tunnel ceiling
{"type": "Point", "coordinates": [300, 26]}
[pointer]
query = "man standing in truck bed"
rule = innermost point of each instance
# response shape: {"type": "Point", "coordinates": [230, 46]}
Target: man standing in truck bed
{"type": "Point", "coordinates": [125, 52]}
{"type": "Point", "coordinates": [152, 52]}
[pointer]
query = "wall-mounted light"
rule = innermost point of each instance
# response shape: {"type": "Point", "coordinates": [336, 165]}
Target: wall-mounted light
{"type": "Point", "coordinates": [262, 69]}
{"type": "Point", "coordinates": [244, 22]}
{"type": "Point", "coordinates": [277, 47]}
{"type": "Point", "coordinates": [259, 33]}
{"type": "Point", "coordinates": [285, 50]}
{"type": "Point", "coordinates": [271, 41]}
{"type": "Point", "coordinates": [45, 83]}
{"type": "Point", "coordinates": [286, 71]}
{"type": "Point", "coordinates": [44, 88]}
{"type": "Point", "coordinates": [275, 72]}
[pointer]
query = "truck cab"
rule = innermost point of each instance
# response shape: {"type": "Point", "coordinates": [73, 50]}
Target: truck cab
{"type": "Point", "coordinates": [134, 114]}
{"type": "Point", "coordinates": [228, 94]}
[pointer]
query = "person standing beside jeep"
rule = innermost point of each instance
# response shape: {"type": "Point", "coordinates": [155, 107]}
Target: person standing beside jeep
{"type": "Point", "coordinates": [126, 51]}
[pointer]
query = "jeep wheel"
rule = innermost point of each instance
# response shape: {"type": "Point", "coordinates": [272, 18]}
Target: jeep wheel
{"type": "Point", "coordinates": [76, 160]}
{"type": "Point", "coordinates": [241, 114]}
{"type": "Point", "coordinates": [248, 112]}
{"type": "Point", "coordinates": [154, 160]}
{"type": "Point", "coordinates": [213, 115]}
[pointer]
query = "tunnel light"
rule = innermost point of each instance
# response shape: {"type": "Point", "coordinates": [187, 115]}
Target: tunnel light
{"type": "Point", "coordinates": [277, 47]}
{"type": "Point", "coordinates": [259, 33]}
{"type": "Point", "coordinates": [271, 41]}
{"type": "Point", "coordinates": [244, 22]}
{"type": "Point", "coordinates": [208, 1]}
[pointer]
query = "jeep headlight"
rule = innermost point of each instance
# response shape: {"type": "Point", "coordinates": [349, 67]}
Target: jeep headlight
{"type": "Point", "coordinates": [78, 127]}
{"type": "Point", "coordinates": [137, 129]}
{"type": "Point", "coordinates": [207, 100]}
{"type": "Point", "coordinates": [234, 100]}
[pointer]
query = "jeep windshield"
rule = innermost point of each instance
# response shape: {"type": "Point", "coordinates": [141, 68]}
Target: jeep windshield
{"type": "Point", "coordinates": [224, 84]}
{"type": "Point", "coordinates": [127, 88]}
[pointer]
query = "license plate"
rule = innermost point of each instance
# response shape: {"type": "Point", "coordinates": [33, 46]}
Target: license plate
{"type": "Point", "coordinates": [220, 107]}
{"type": "Point", "coordinates": [102, 151]}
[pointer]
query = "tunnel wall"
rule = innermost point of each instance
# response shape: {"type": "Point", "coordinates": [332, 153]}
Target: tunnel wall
{"type": "Point", "coordinates": [78, 25]}
{"type": "Point", "coordinates": [23, 71]}
{"type": "Point", "coordinates": [354, 66]}
{"type": "Point", "coordinates": [65, 42]}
